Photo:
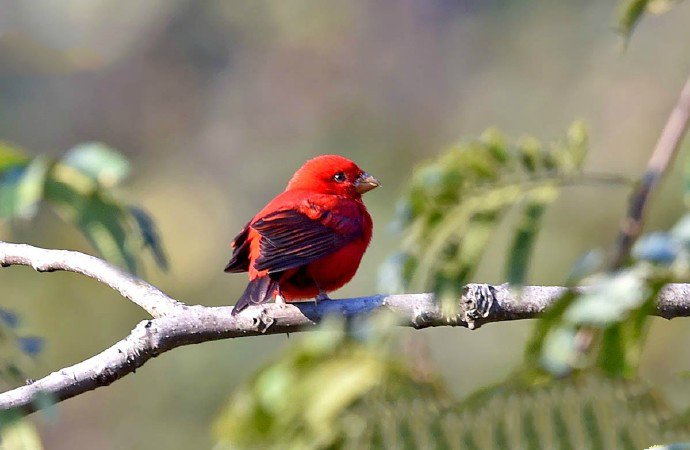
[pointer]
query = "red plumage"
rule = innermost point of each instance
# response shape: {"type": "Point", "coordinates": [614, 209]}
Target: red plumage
{"type": "Point", "coordinates": [310, 239]}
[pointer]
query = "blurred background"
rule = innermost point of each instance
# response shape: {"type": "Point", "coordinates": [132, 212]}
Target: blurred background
{"type": "Point", "coordinates": [216, 103]}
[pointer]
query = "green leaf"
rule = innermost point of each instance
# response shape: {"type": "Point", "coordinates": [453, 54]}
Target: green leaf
{"type": "Point", "coordinates": [525, 237]}
{"type": "Point", "coordinates": [118, 231]}
{"type": "Point", "coordinates": [532, 154]}
{"type": "Point", "coordinates": [609, 300]}
{"type": "Point", "coordinates": [558, 351]}
{"type": "Point", "coordinates": [549, 321]}
{"type": "Point", "coordinates": [280, 407]}
{"type": "Point", "coordinates": [8, 318]}
{"type": "Point", "coordinates": [632, 11]}
{"type": "Point", "coordinates": [21, 189]}
{"type": "Point", "coordinates": [577, 143]}
{"type": "Point", "coordinates": [149, 234]}
{"type": "Point", "coordinates": [373, 401]}
{"type": "Point", "coordinates": [454, 204]}
{"type": "Point", "coordinates": [99, 162]}
{"type": "Point", "coordinates": [611, 314]}
{"type": "Point", "coordinates": [18, 350]}
{"type": "Point", "coordinates": [79, 188]}
{"type": "Point", "coordinates": [585, 411]}
{"type": "Point", "coordinates": [592, 428]}
{"type": "Point", "coordinates": [444, 246]}
{"type": "Point", "coordinates": [19, 435]}
{"type": "Point", "coordinates": [11, 156]}
{"type": "Point", "coordinates": [104, 223]}
{"type": "Point", "coordinates": [476, 237]}
{"type": "Point", "coordinates": [31, 345]}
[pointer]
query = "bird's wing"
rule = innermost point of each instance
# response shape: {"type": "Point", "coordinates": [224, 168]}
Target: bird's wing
{"type": "Point", "coordinates": [239, 262]}
{"type": "Point", "coordinates": [291, 239]}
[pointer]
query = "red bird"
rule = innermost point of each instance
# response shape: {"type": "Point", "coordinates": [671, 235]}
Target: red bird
{"type": "Point", "coordinates": [310, 239]}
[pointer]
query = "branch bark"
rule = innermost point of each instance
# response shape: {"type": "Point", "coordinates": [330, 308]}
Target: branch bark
{"type": "Point", "coordinates": [150, 298]}
{"type": "Point", "coordinates": [175, 324]}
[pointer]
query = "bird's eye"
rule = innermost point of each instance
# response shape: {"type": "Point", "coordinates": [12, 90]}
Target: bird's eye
{"type": "Point", "coordinates": [339, 177]}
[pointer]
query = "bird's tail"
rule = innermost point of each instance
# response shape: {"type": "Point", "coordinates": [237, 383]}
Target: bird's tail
{"type": "Point", "coordinates": [258, 291]}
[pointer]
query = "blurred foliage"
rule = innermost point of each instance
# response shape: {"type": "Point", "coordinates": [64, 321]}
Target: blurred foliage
{"type": "Point", "coordinates": [323, 393]}
{"type": "Point", "coordinates": [80, 187]}
{"type": "Point", "coordinates": [586, 411]}
{"type": "Point", "coordinates": [454, 204]}
{"type": "Point", "coordinates": [20, 435]}
{"type": "Point", "coordinates": [614, 311]}
{"type": "Point", "coordinates": [335, 390]}
{"type": "Point", "coordinates": [213, 90]}
{"type": "Point", "coordinates": [631, 12]}
{"type": "Point", "coordinates": [18, 351]}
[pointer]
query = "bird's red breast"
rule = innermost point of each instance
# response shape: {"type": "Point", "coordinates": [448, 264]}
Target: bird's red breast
{"type": "Point", "coordinates": [309, 239]}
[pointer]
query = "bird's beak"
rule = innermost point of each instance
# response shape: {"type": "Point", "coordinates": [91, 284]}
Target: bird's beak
{"type": "Point", "coordinates": [365, 183]}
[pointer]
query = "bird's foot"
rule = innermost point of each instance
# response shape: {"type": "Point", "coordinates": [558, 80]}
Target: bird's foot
{"type": "Point", "coordinates": [322, 296]}
{"type": "Point", "coordinates": [280, 301]}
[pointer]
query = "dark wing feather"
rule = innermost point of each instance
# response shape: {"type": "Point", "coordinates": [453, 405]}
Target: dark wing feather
{"type": "Point", "coordinates": [258, 291]}
{"type": "Point", "coordinates": [240, 253]}
{"type": "Point", "coordinates": [291, 239]}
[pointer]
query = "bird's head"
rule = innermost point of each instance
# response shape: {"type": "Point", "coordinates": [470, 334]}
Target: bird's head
{"type": "Point", "coordinates": [333, 174]}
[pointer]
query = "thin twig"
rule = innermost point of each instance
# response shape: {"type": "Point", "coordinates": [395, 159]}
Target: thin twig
{"type": "Point", "coordinates": [665, 151]}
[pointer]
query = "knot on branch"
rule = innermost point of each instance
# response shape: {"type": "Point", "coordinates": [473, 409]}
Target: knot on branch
{"type": "Point", "coordinates": [262, 321]}
{"type": "Point", "coordinates": [476, 303]}
{"type": "Point", "coordinates": [146, 332]}
{"type": "Point", "coordinates": [106, 376]}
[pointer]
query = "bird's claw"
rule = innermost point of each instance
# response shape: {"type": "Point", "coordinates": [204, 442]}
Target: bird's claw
{"type": "Point", "coordinates": [322, 296]}
{"type": "Point", "coordinates": [280, 301]}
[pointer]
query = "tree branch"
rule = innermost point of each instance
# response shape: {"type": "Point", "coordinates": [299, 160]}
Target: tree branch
{"type": "Point", "coordinates": [150, 298]}
{"type": "Point", "coordinates": [176, 324]}
{"type": "Point", "coordinates": [665, 151]}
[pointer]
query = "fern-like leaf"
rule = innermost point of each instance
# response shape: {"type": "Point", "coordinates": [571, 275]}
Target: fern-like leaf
{"type": "Point", "coordinates": [454, 204]}
{"type": "Point", "coordinates": [332, 391]}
